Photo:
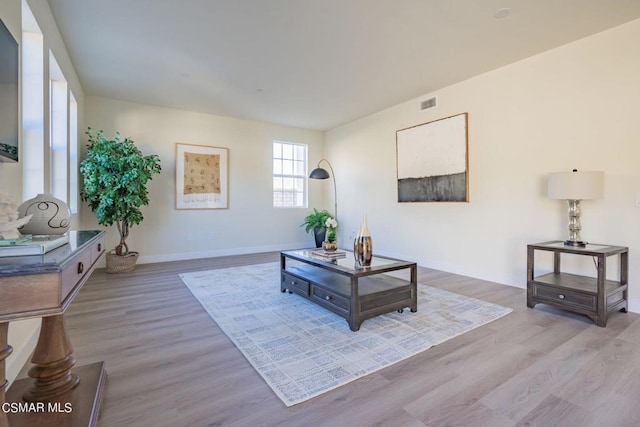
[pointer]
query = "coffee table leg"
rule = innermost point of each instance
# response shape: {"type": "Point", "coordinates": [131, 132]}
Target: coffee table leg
{"type": "Point", "coordinates": [354, 306]}
{"type": "Point", "coordinates": [414, 288]}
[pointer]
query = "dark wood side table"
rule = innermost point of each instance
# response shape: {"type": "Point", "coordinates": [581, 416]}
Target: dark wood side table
{"type": "Point", "coordinates": [44, 286]}
{"type": "Point", "coordinates": [594, 297]}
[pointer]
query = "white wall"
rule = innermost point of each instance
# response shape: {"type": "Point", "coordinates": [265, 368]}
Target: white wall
{"type": "Point", "coordinates": [23, 334]}
{"type": "Point", "coordinates": [250, 224]}
{"type": "Point", "coordinates": [572, 107]}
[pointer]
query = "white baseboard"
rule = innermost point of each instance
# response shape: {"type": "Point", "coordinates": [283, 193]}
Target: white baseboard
{"type": "Point", "coordinates": [634, 303]}
{"type": "Point", "coordinates": [221, 252]}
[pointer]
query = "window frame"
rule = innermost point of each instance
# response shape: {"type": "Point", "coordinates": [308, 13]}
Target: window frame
{"type": "Point", "coordinates": [288, 171]}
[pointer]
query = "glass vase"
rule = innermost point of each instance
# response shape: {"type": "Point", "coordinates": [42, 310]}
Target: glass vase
{"type": "Point", "coordinates": [329, 244]}
{"type": "Point", "coordinates": [363, 245]}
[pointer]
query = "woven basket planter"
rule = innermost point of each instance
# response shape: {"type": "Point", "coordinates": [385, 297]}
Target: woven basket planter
{"type": "Point", "coordinates": [121, 263]}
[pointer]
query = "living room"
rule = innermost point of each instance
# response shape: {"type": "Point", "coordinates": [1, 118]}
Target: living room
{"type": "Point", "coordinates": [568, 107]}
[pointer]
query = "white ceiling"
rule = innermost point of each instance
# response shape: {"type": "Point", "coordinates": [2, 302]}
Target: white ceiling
{"type": "Point", "coordinates": [309, 63]}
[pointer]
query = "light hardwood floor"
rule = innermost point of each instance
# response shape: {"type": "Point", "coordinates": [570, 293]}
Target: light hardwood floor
{"type": "Point", "coordinates": [169, 364]}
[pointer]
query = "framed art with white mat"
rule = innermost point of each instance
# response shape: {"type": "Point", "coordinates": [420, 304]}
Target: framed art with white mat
{"type": "Point", "coordinates": [202, 177]}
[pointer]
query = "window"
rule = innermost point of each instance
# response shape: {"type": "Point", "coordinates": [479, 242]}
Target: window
{"type": "Point", "coordinates": [73, 154]}
{"type": "Point", "coordinates": [63, 138]}
{"type": "Point", "coordinates": [289, 175]}
{"type": "Point", "coordinates": [50, 147]}
{"type": "Point", "coordinates": [32, 106]}
{"type": "Point", "coordinates": [59, 136]}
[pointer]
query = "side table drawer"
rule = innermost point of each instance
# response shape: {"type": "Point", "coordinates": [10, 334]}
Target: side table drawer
{"type": "Point", "coordinates": [74, 273]}
{"type": "Point", "coordinates": [97, 249]}
{"type": "Point", "coordinates": [565, 297]}
{"type": "Point", "coordinates": [295, 284]}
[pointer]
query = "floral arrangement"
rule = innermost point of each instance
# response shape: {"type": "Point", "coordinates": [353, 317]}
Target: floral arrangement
{"type": "Point", "coordinates": [331, 225]}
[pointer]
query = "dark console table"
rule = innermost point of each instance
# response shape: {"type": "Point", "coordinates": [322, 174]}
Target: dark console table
{"type": "Point", "coordinates": [594, 297]}
{"type": "Point", "coordinates": [44, 286]}
{"type": "Point", "coordinates": [353, 292]}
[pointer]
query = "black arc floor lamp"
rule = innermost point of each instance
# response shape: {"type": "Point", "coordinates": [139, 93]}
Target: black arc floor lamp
{"type": "Point", "coordinates": [320, 173]}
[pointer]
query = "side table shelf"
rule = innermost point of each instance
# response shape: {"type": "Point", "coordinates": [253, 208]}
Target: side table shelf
{"type": "Point", "coordinates": [594, 297]}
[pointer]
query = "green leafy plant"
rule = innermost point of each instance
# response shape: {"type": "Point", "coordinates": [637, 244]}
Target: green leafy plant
{"type": "Point", "coordinates": [315, 220]}
{"type": "Point", "coordinates": [115, 175]}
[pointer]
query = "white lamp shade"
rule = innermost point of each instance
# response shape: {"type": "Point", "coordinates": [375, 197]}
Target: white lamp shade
{"type": "Point", "coordinates": [576, 185]}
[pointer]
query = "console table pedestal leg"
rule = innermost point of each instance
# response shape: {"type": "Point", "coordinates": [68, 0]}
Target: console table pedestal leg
{"type": "Point", "coordinates": [5, 351]}
{"type": "Point", "coordinates": [53, 360]}
{"type": "Point", "coordinates": [61, 396]}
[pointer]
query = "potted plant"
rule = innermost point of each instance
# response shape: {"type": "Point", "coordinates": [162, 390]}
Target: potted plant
{"type": "Point", "coordinates": [316, 221]}
{"type": "Point", "coordinates": [115, 175]}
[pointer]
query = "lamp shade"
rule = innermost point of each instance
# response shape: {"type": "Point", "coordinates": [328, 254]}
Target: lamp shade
{"type": "Point", "coordinates": [576, 185]}
{"type": "Point", "coordinates": [319, 173]}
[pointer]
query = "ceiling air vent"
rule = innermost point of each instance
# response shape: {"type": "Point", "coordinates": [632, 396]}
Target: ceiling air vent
{"type": "Point", "coordinates": [428, 103]}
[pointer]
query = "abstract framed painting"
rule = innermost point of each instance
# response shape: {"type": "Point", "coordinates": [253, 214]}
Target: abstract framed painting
{"type": "Point", "coordinates": [433, 161]}
{"type": "Point", "coordinates": [202, 173]}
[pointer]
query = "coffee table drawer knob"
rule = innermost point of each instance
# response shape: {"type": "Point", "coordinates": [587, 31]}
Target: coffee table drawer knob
{"type": "Point", "coordinates": [561, 296]}
{"type": "Point", "coordinates": [328, 297]}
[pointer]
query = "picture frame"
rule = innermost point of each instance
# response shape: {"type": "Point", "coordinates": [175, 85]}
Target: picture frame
{"type": "Point", "coordinates": [433, 161]}
{"type": "Point", "coordinates": [202, 173]}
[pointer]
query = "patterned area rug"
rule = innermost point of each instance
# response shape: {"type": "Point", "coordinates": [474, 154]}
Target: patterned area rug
{"type": "Point", "coordinates": [302, 350]}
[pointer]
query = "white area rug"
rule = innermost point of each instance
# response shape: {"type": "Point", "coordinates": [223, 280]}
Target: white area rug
{"type": "Point", "coordinates": [302, 350]}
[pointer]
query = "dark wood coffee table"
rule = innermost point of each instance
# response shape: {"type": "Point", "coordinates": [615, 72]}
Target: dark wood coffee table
{"type": "Point", "coordinates": [353, 292]}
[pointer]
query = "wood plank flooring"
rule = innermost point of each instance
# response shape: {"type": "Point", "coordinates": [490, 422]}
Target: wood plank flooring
{"type": "Point", "coordinates": [169, 364]}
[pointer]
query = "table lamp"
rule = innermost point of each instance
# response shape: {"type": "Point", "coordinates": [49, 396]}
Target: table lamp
{"type": "Point", "coordinates": [573, 187]}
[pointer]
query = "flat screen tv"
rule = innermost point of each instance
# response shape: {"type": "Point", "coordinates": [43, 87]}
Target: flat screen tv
{"type": "Point", "coordinates": [8, 96]}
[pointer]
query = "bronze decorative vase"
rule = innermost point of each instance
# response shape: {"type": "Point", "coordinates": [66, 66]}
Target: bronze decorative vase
{"type": "Point", "coordinates": [328, 246]}
{"type": "Point", "coordinates": [363, 246]}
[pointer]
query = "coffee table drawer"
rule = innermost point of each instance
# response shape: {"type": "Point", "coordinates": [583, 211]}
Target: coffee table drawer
{"type": "Point", "coordinates": [295, 284]}
{"type": "Point", "coordinates": [331, 298]}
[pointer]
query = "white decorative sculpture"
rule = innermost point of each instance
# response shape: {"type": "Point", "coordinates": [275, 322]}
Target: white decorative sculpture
{"type": "Point", "coordinates": [9, 221]}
